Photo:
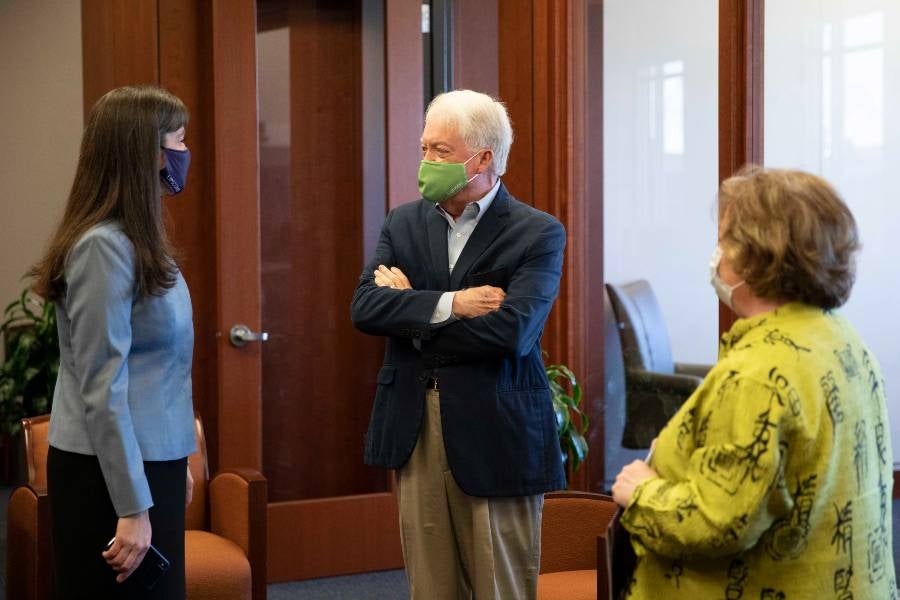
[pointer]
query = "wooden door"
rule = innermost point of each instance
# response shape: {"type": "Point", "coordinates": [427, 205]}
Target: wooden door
{"type": "Point", "coordinates": [292, 223]}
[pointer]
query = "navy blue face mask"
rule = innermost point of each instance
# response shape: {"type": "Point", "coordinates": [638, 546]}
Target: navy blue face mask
{"type": "Point", "coordinates": [175, 169]}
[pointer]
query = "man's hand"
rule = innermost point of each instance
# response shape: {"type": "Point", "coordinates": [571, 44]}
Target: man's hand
{"type": "Point", "coordinates": [631, 476]}
{"type": "Point", "coordinates": [392, 278]}
{"type": "Point", "coordinates": [478, 301]}
{"type": "Point", "coordinates": [132, 540]}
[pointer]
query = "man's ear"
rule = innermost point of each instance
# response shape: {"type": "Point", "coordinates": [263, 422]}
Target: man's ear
{"type": "Point", "coordinates": [487, 159]}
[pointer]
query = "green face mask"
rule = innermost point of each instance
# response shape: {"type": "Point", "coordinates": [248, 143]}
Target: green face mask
{"type": "Point", "coordinates": [441, 180]}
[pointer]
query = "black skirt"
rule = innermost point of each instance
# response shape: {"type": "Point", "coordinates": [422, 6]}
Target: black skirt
{"type": "Point", "coordinates": [83, 521]}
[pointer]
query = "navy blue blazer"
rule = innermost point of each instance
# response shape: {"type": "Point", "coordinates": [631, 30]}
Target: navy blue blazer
{"type": "Point", "coordinates": [498, 422]}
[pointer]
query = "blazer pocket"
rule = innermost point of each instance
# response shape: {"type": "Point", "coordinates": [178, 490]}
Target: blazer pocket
{"type": "Point", "coordinates": [495, 277]}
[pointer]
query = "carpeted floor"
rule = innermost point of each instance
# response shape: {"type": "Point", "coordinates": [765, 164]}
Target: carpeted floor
{"type": "Point", "coordinates": [385, 585]}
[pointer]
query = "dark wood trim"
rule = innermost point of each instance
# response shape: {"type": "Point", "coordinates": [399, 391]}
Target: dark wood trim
{"type": "Point", "coordinates": [314, 416]}
{"type": "Point", "coordinates": [185, 69]}
{"type": "Point", "coordinates": [237, 230]}
{"type": "Point", "coordinates": [475, 46]}
{"type": "Point", "coordinates": [741, 40]}
{"type": "Point", "coordinates": [741, 36]}
{"type": "Point", "coordinates": [404, 110]}
{"type": "Point", "coordinates": [333, 536]}
{"type": "Point", "coordinates": [515, 41]}
{"type": "Point", "coordinates": [896, 492]}
{"type": "Point", "coordinates": [592, 273]}
{"type": "Point", "coordinates": [119, 46]}
{"type": "Point", "coordinates": [547, 100]}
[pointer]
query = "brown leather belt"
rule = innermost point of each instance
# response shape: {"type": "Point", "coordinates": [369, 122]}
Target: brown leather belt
{"type": "Point", "coordinates": [432, 384]}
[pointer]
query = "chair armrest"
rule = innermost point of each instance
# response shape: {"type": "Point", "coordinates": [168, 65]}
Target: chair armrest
{"type": "Point", "coordinates": [238, 506]}
{"type": "Point", "coordinates": [570, 526]}
{"type": "Point", "coordinates": [677, 384]}
{"type": "Point", "coordinates": [28, 557]}
{"type": "Point", "coordinates": [622, 559]}
{"type": "Point", "coordinates": [651, 399]}
{"type": "Point", "coordinates": [692, 369]}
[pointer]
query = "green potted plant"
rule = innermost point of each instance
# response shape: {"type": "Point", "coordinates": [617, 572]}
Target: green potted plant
{"type": "Point", "coordinates": [28, 373]}
{"type": "Point", "coordinates": [567, 394]}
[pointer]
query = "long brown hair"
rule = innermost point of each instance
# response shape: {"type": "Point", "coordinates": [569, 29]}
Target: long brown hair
{"type": "Point", "coordinates": [117, 179]}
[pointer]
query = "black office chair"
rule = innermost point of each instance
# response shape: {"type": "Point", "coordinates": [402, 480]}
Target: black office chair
{"type": "Point", "coordinates": [615, 455]}
{"type": "Point", "coordinates": [655, 385]}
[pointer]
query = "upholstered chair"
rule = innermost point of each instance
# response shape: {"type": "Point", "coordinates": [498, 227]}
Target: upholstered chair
{"type": "Point", "coordinates": [225, 541]}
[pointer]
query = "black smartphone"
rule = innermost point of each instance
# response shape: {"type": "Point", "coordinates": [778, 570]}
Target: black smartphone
{"type": "Point", "coordinates": [151, 568]}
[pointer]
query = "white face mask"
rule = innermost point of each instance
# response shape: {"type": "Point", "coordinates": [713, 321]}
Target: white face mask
{"type": "Point", "coordinates": [724, 291]}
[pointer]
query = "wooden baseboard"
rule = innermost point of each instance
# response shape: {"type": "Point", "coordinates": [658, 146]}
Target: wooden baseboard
{"type": "Point", "coordinates": [333, 536]}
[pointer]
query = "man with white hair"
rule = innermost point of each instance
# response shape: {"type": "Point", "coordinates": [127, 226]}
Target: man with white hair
{"type": "Point", "coordinates": [461, 285]}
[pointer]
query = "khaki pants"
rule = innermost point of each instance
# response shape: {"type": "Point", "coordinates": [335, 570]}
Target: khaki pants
{"type": "Point", "coordinates": [460, 547]}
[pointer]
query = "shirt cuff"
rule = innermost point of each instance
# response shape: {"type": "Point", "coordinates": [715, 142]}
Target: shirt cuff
{"type": "Point", "coordinates": [444, 309]}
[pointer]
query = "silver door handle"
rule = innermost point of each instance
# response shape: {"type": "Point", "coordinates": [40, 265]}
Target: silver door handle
{"type": "Point", "coordinates": [241, 335]}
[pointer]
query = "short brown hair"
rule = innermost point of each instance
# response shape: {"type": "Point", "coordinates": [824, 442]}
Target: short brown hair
{"type": "Point", "coordinates": [117, 178]}
{"type": "Point", "coordinates": [789, 235]}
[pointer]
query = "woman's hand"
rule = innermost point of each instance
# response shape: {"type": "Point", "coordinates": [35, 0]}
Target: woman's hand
{"type": "Point", "coordinates": [188, 488]}
{"type": "Point", "coordinates": [628, 479]}
{"type": "Point", "coordinates": [132, 540]}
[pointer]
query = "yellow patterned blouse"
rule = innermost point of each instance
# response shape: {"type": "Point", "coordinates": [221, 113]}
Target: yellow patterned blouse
{"type": "Point", "coordinates": [775, 476]}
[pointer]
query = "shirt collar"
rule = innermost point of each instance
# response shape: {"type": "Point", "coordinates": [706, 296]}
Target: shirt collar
{"type": "Point", "coordinates": [742, 327]}
{"type": "Point", "coordinates": [482, 204]}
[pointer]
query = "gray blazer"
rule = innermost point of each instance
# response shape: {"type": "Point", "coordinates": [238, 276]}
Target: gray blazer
{"type": "Point", "coordinates": [124, 386]}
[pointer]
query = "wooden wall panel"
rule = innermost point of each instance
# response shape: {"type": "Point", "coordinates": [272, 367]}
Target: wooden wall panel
{"type": "Point", "coordinates": [516, 42]}
{"type": "Point", "coordinates": [167, 42]}
{"type": "Point", "coordinates": [323, 538]}
{"type": "Point", "coordinates": [591, 268]}
{"type": "Point", "coordinates": [552, 152]}
{"type": "Point", "coordinates": [319, 372]}
{"type": "Point", "coordinates": [237, 233]}
{"type": "Point", "coordinates": [476, 57]}
{"type": "Point", "coordinates": [404, 113]}
{"type": "Point", "coordinates": [185, 69]}
{"type": "Point", "coordinates": [741, 37]}
{"type": "Point", "coordinates": [119, 45]}
{"type": "Point", "coordinates": [547, 100]}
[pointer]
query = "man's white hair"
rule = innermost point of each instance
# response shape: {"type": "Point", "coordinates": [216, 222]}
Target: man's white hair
{"type": "Point", "coordinates": [480, 120]}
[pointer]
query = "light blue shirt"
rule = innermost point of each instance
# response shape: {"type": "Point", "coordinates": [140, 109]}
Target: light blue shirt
{"type": "Point", "coordinates": [458, 234]}
{"type": "Point", "coordinates": [124, 387]}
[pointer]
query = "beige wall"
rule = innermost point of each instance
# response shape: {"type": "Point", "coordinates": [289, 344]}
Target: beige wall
{"type": "Point", "coordinates": [42, 118]}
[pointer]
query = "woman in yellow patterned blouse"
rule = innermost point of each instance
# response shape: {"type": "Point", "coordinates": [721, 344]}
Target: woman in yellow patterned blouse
{"type": "Point", "coordinates": [773, 481]}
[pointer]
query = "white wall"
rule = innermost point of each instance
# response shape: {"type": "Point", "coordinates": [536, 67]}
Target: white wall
{"type": "Point", "coordinates": [42, 107]}
{"type": "Point", "coordinates": [660, 124]}
{"type": "Point", "coordinates": [831, 108]}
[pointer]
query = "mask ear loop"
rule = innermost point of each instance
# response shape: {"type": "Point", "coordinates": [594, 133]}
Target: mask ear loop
{"type": "Point", "coordinates": [714, 264]}
{"type": "Point", "coordinates": [468, 181]}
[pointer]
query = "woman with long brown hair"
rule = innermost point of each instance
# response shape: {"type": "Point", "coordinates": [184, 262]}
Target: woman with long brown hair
{"type": "Point", "coordinates": [122, 420]}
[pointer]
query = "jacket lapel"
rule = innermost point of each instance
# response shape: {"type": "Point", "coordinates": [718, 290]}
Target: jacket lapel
{"type": "Point", "coordinates": [488, 228]}
{"type": "Point", "coordinates": [436, 226]}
